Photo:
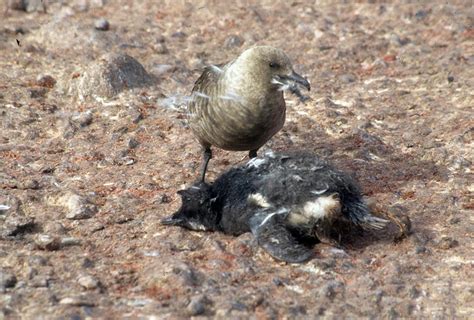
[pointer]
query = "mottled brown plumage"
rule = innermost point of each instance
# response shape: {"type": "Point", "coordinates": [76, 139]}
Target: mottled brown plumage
{"type": "Point", "coordinates": [240, 106]}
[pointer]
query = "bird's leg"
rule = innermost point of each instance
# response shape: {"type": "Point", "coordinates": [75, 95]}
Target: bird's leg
{"type": "Point", "coordinates": [207, 155]}
{"type": "Point", "coordinates": [253, 153]}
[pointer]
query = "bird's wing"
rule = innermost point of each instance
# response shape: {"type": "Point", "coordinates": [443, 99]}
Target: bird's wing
{"type": "Point", "coordinates": [272, 235]}
{"type": "Point", "coordinates": [209, 76]}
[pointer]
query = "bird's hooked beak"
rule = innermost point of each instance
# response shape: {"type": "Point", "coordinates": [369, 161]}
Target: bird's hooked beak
{"type": "Point", "coordinates": [290, 81]}
{"type": "Point", "coordinates": [172, 221]}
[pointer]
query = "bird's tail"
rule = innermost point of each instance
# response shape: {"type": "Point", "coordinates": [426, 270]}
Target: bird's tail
{"type": "Point", "coordinates": [359, 214]}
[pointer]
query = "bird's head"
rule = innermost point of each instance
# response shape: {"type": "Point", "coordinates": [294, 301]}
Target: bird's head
{"type": "Point", "coordinates": [196, 209]}
{"type": "Point", "coordinates": [273, 67]}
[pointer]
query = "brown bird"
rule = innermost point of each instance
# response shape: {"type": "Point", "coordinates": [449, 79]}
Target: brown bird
{"type": "Point", "coordinates": [239, 106]}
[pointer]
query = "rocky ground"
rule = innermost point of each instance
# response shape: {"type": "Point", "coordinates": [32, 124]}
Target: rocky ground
{"type": "Point", "coordinates": [94, 145]}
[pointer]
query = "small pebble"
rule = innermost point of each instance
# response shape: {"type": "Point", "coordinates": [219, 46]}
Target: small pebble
{"type": "Point", "coordinates": [101, 24]}
{"type": "Point", "coordinates": [46, 81]}
{"type": "Point", "coordinates": [420, 249]}
{"type": "Point", "coordinates": [47, 242]}
{"type": "Point", "coordinates": [132, 143]}
{"type": "Point", "coordinates": [447, 243]}
{"type": "Point", "coordinates": [160, 48]}
{"type": "Point", "coordinates": [88, 282]}
{"type": "Point", "coordinates": [450, 79]}
{"type": "Point", "coordinates": [196, 306]}
{"type": "Point", "coordinates": [233, 41]}
{"type": "Point", "coordinates": [347, 78]}
{"type": "Point", "coordinates": [76, 301]}
{"type": "Point", "coordinates": [7, 279]}
{"type": "Point", "coordinates": [78, 207]}
{"type": "Point", "coordinates": [70, 241]}
{"type": "Point", "coordinates": [179, 35]}
{"type": "Point", "coordinates": [82, 119]}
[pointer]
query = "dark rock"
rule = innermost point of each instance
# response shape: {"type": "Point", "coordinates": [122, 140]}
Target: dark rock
{"type": "Point", "coordinates": [420, 249]}
{"type": "Point", "coordinates": [101, 24]}
{"type": "Point", "coordinates": [197, 305]}
{"type": "Point", "coordinates": [19, 5]}
{"type": "Point", "coordinates": [421, 14]}
{"type": "Point", "coordinates": [179, 35]}
{"type": "Point", "coordinates": [331, 289]}
{"type": "Point", "coordinates": [110, 75]}
{"type": "Point", "coordinates": [450, 79]}
{"type": "Point", "coordinates": [164, 198]}
{"type": "Point", "coordinates": [36, 93]}
{"type": "Point", "coordinates": [46, 81]}
{"type": "Point", "coordinates": [132, 143]}
{"type": "Point", "coordinates": [7, 279]}
{"type": "Point", "coordinates": [17, 225]}
{"type": "Point", "coordinates": [27, 5]}
{"type": "Point", "coordinates": [447, 243]}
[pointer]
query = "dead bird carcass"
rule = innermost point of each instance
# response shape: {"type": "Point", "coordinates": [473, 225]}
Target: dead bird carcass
{"type": "Point", "coordinates": [283, 199]}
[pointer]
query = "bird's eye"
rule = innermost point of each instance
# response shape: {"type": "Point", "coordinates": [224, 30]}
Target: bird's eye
{"type": "Point", "coordinates": [274, 65]}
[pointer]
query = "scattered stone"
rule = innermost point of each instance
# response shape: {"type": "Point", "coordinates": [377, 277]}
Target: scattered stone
{"type": "Point", "coordinates": [179, 35]}
{"type": "Point", "coordinates": [19, 5]}
{"type": "Point", "coordinates": [53, 227]}
{"type": "Point", "coordinates": [132, 143]}
{"type": "Point", "coordinates": [36, 93]}
{"type": "Point", "coordinates": [332, 288]}
{"type": "Point", "coordinates": [197, 305]}
{"type": "Point", "coordinates": [454, 220]}
{"type": "Point", "coordinates": [397, 41]}
{"type": "Point", "coordinates": [87, 263]}
{"type": "Point", "coordinates": [27, 5]}
{"type": "Point", "coordinates": [46, 81]}
{"type": "Point", "coordinates": [82, 119]}
{"type": "Point", "coordinates": [450, 79]}
{"type": "Point", "coordinates": [37, 260]}
{"type": "Point", "coordinates": [17, 225]}
{"type": "Point", "coordinates": [447, 243]}
{"type": "Point", "coordinates": [347, 78]}
{"type": "Point", "coordinates": [70, 241]}
{"type": "Point", "coordinates": [29, 183]}
{"type": "Point", "coordinates": [7, 280]}
{"type": "Point", "coordinates": [164, 198]}
{"type": "Point", "coordinates": [78, 206]}
{"type": "Point", "coordinates": [161, 69]}
{"type": "Point", "coordinates": [47, 242]}
{"type": "Point", "coordinates": [421, 14]}
{"type": "Point", "coordinates": [110, 75]}
{"type": "Point", "coordinates": [88, 282]}
{"type": "Point", "coordinates": [160, 48]}
{"type": "Point", "coordinates": [77, 301]}
{"type": "Point", "coordinates": [39, 282]}
{"type": "Point", "coordinates": [420, 249]}
{"type": "Point", "coordinates": [101, 24]}
{"type": "Point", "coordinates": [233, 41]}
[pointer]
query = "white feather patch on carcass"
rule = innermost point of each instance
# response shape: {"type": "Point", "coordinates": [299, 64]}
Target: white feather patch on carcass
{"type": "Point", "coordinates": [259, 200]}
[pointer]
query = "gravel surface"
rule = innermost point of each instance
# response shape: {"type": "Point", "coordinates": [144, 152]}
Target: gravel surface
{"type": "Point", "coordinates": [94, 145]}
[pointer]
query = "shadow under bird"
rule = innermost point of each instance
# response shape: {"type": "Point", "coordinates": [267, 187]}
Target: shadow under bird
{"type": "Point", "coordinates": [289, 202]}
{"type": "Point", "coordinates": [239, 106]}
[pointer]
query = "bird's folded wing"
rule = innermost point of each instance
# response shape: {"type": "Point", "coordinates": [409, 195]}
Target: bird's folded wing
{"type": "Point", "coordinates": [272, 235]}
